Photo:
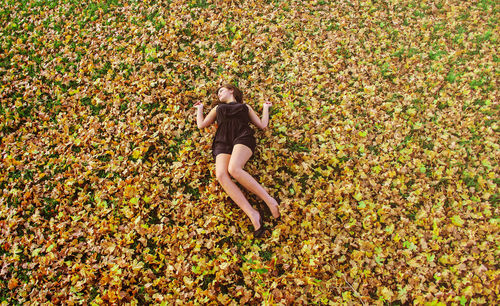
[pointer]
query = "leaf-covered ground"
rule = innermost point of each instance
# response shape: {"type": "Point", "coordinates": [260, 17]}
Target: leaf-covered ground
{"type": "Point", "coordinates": [382, 144]}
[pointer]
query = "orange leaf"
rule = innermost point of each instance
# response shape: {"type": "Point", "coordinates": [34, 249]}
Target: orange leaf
{"type": "Point", "coordinates": [13, 283]}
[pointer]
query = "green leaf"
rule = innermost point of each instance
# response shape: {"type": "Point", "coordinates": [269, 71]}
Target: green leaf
{"type": "Point", "coordinates": [376, 169]}
{"type": "Point", "coordinates": [50, 247]}
{"type": "Point", "coordinates": [196, 269]}
{"type": "Point", "coordinates": [35, 252]}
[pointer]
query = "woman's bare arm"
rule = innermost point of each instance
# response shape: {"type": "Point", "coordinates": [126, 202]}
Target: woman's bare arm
{"type": "Point", "coordinates": [261, 124]}
{"type": "Point", "coordinates": [203, 123]}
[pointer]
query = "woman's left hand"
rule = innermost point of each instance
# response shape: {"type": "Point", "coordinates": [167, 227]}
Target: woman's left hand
{"type": "Point", "coordinates": [267, 104]}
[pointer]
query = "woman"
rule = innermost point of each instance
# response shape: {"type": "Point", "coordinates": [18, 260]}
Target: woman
{"type": "Point", "coordinates": [233, 144]}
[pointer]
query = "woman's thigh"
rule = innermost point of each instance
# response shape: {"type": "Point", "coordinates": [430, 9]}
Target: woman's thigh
{"type": "Point", "coordinates": [241, 154]}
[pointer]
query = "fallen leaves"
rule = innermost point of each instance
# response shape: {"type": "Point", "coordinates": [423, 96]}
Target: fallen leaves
{"type": "Point", "coordinates": [382, 148]}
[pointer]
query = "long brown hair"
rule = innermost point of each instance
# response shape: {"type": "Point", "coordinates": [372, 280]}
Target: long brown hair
{"type": "Point", "coordinates": [238, 95]}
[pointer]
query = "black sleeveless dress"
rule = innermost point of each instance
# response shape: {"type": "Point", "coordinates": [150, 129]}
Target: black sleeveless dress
{"type": "Point", "coordinates": [232, 120]}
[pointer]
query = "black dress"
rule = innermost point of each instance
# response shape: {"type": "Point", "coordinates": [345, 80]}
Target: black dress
{"type": "Point", "coordinates": [232, 120]}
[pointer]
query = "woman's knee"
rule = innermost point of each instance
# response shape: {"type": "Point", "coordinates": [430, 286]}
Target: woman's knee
{"type": "Point", "coordinates": [222, 175]}
{"type": "Point", "coordinates": [234, 171]}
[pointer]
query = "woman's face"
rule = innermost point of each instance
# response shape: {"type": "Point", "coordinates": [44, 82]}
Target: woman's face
{"type": "Point", "coordinates": [225, 94]}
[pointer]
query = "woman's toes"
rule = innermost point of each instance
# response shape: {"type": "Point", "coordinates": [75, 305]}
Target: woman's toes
{"type": "Point", "coordinates": [256, 219]}
{"type": "Point", "coordinates": [275, 210]}
{"type": "Point", "coordinates": [277, 215]}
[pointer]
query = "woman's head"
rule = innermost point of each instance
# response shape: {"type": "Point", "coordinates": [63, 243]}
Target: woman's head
{"type": "Point", "coordinates": [228, 93]}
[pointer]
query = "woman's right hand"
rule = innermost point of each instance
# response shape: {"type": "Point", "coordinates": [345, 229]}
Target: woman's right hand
{"type": "Point", "coordinates": [198, 105]}
{"type": "Point", "coordinates": [267, 104]}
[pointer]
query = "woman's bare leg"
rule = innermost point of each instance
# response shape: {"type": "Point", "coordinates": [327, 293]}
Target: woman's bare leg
{"type": "Point", "coordinates": [221, 172]}
{"type": "Point", "coordinates": [239, 157]}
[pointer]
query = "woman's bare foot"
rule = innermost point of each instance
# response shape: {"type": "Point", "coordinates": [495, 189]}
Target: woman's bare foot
{"type": "Point", "coordinates": [255, 220]}
{"type": "Point", "coordinates": [273, 206]}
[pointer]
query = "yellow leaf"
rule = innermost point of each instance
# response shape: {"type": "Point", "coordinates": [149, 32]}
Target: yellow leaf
{"type": "Point", "coordinates": [137, 153]}
{"type": "Point", "coordinates": [358, 196]}
{"type": "Point", "coordinates": [386, 293]}
{"type": "Point", "coordinates": [456, 220]}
